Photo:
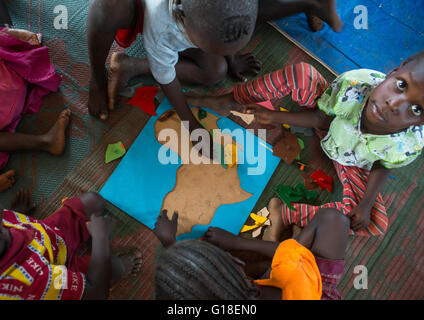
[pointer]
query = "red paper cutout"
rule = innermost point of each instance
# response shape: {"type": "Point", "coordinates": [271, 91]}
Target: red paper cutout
{"type": "Point", "coordinates": [266, 104]}
{"type": "Point", "coordinates": [322, 180]}
{"type": "Point", "coordinates": [144, 98]}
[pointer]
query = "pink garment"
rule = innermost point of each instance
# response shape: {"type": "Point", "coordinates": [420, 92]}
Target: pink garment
{"type": "Point", "coordinates": [26, 76]}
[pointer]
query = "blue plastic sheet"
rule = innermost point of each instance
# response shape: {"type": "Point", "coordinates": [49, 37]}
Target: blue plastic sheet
{"type": "Point", "coordinates": [140, 182]}
{"type": "Point", "coordinates": [395, 31]}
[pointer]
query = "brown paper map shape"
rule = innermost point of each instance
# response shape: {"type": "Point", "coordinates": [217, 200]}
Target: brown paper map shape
{"type": "Point", "coordinates": [287, 148]}
{"type": "Point", "coordinates": [200, 188]}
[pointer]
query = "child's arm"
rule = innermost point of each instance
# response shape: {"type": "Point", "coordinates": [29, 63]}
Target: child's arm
{"type": "Point", "coordinates": [360, 215]}
{"type": "Point", "coordinates": [306, 118]}
{"type": "Point", "coordinates": [173, 91]}
{"type": "Point", "coordinates": [228, 241]}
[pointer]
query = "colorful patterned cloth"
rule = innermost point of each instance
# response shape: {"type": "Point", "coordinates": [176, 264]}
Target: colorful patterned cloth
{"type": "Point", "coordinates": [41, 262]}
{"type": "Point", "coordinates": [345, 99]}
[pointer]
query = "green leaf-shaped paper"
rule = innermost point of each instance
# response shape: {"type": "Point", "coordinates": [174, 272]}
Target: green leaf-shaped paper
{"type": "Point", "coordinates": [114, 151]}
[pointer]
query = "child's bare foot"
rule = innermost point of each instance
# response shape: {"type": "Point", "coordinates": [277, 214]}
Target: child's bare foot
{"type": "Point", "coordinates": [98, 98]}
{"type": "Point", "coordinates": [7, 180]}
{"type": "Point", "coordinates": [122, 69]}
{"type": "Point", "coordinates": [219, 104]}
{"type": "Point", "coordinates": [54, 140]}
{"type": "Point", "coordinates": [314, 22]}
{"type": "Point", "coordinates": [273, 232]}
{"type": "Point", "coordinates": [23, 203]}
{"type": "Point", "coordinates": [165, 229]}
{"type": "Point", "coordinates": [326, 11]}
{"type": "Point", "coordinates": [126, 266]}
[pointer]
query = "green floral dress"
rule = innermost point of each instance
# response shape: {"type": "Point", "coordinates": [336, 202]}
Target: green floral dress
{"type": "Point", "coordinates": [345, 99]}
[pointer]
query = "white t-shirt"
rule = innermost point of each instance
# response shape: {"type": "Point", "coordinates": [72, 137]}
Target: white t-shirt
{"type": "Point", "coordinates": [162, 40]}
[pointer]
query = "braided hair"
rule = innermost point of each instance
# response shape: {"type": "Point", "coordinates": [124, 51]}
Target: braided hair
{"type": "Point", "coordinates": [198, 270]}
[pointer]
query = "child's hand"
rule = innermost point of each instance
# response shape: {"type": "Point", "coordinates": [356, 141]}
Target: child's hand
{"type": "Point", "coordinates": [360, 217]}
{"type": "Point", "coordinates": [262, 115]}
{"type": "Point", "coordinates": [100, 225]}
{"type": "Point", "coordinates": [221, 238]}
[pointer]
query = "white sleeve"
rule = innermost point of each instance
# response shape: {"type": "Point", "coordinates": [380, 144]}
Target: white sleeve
{"type": "Point", "coordinates": [162, 59]}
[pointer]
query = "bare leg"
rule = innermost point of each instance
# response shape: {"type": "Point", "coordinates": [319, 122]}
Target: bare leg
{"type": "Point", "coordinates": [273, 232]}
{"type": "Point", "coordinates": [193, 67]}
{"type": "Point", "coordinates": [105, 18]}
{"type": "Point", "coordinates": [53, 141]}
{"type": "Point", "coordinates": [327, 234]}
{"type": "Point", "coordinates": [122, 69]}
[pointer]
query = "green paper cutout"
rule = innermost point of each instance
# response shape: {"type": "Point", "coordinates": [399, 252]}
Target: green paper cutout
{"type": "Point", "coordinates": [296, 194]}
{"type": "Point", "coordinates": [301, 143]}
{"type": "Point", "coordinates": [302, 146]}
{"type": "Point", "coordinates": [114, 151]}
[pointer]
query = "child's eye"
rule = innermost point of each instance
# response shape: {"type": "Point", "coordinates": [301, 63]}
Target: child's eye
{"type": "Point", "coordinates": [401, 84]}
{"type": "Point", "coordinates": [416, 110]}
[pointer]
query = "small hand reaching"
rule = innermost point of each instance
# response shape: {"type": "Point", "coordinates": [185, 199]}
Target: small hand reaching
{"type": "Point", "coordinates": [262, 115]}
{"type": "Point", "coordinates": [360, 218]}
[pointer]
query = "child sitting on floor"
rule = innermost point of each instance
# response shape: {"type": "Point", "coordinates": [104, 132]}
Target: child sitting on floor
{"type": "Point", "coordinates": [374, 122]}
{"type": "Point", "coordinates": [38, 258]}
{"type": "Point", "coordinates": [26, 75]}
{"type": "Point", "coordinates": [308, 267]}
{"type": "Point", "coordinates": [186, 41]}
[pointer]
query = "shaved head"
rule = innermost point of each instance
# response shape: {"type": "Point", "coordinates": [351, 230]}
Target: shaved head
{"type": "Point", "coordinates": [227, 21]}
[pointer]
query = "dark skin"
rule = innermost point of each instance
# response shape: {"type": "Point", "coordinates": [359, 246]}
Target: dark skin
{"type": "Point", "coordinates": [52, 142]}
{"type": "Point", "coordinates": [4, 15]}
{"type": "Point", "coordinates": [206, 66]}
{"type": "Point", "coordinates": [326, 236]}
{"type": "Point", "coordinates": [393, 106]}
{"type": "Point", "coordinates": [104, 269]}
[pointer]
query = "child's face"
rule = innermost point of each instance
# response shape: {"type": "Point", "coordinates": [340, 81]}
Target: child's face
{"type": "Point", "coordinates": [398, 102]}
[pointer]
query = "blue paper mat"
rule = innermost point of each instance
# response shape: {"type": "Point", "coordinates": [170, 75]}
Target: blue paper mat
{"type": "Point", "coordinates": [395, 31]}
{"type": "Point", "coordinates": [140, 182]}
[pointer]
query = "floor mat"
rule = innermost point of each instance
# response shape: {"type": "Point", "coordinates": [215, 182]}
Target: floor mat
{"type": "Point", "coordinates": [376, 34]}
{"type": "Point", "coordinates": [395, 262]}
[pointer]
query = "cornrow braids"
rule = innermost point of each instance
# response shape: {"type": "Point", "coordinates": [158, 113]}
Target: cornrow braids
{"type": "Point", "coordinates": [194, 269]}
